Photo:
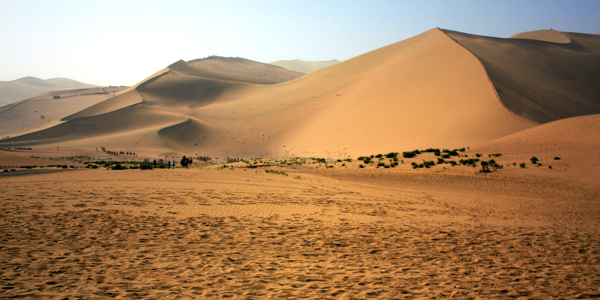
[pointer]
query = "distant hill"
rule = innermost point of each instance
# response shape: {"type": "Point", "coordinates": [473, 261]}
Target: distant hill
{"type": "Point", "coordinates": [304, 66]}
{"type": "Point", "coordinates": [28, 87]}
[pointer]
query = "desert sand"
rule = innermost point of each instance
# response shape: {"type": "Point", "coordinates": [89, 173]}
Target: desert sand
{"type": "Point", "coordinates": [314, 190]}
{"type": "Point", "coordinates": [301, 231]}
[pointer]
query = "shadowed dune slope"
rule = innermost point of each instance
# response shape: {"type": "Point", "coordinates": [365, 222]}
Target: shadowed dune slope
{"type": "Point", "coordinates": [539, 80]}
{"type": "Point", "coordinates": [127, 119]}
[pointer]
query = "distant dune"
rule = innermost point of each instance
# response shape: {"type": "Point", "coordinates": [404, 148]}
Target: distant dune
{"type": "Point", "coordinates": [438, 89]}
{"type": "Point", "coordinates": [48, 109]}
{"type": "Point", "coordinates": [304, 66]}
{"type": "Point", "coordinates": [552, 36]}
{"type": "Point", "coordinates": [27, 87]}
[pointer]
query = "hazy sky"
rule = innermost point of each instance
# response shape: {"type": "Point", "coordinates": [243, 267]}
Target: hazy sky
{"type": "Point", "coordinates": [122, 42]}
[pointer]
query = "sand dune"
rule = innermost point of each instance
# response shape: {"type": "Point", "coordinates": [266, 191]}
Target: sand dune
{"type": "Point", "coordinates": [236, 69]}
{"type": "Point", "coordinates": [426, 91]}
{"type": "Point", "coordinates": [45, 110]}
{"type": "Point", "coordinates": [304, 66]}
{"type": "Point", "coordinates": [27, 87]}
{"type": "Point", "coordinates": [552, 36]}
{"type": "Point", "coordinates": [541, 81]}
{"type": "Point", "coordinates": [574, 140]}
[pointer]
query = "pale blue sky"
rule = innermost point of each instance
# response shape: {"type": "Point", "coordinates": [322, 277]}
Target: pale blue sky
{"type": "Point", "coordinates": [122, 42]}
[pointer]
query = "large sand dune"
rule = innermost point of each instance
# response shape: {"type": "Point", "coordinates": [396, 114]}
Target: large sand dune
{"type": "Point", "coordinates": [426, 91]}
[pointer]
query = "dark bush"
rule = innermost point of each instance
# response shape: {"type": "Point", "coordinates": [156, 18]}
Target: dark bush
{"type": "Point", "coordinates": [119, 167]}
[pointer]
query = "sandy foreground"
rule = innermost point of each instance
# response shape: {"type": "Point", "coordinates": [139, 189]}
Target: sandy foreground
{"type": "Point", "coordinates": [309, 233]}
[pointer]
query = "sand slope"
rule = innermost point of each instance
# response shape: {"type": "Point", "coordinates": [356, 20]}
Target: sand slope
{"type": "Point", "coordinates": [27, 87]}
{"type": "Point", "coordinates": [44, 110]}
{"type": "Point", "coordinates": [304, 66]}
{"type": "Point", "coordinates": [574, 140]}
{"type": "Point", "coordinates": [540, 80]}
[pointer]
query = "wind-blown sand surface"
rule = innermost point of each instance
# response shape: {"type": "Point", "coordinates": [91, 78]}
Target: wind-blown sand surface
{"type": "Point", "coordinates": [244, 233]}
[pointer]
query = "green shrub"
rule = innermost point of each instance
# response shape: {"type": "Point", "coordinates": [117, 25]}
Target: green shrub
{"type": "Point", "coordinates": [119, 167]}
{"type": "Point", "coordinates": [522, 165]}
{"type": "Point", "coordinates": [428, 164]}
{"type": "Point", "coordinates": [146, 166]}
{"type": "Point", "coordinates": [534, 160]}
{"type": "Point", "coordinates": [556, 158]}
{"type": "Point", "coordinates": [361, 166]}
{"type": "Point", "coordinates": [446, 155]}
{"type": "Point", "coordinates": [410, 154]}
{"type": "Point", "coordinates": [391, 155]}
{"type": "Point", "coordinates": [470, 161]}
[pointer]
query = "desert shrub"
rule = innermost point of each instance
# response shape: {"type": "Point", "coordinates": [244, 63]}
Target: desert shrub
{"type": "Point", "coordinates": [361, 166]}
{"type": "Point", "coordinates": [446, 155]}
{"type": "Point", "coordinates": [453, 153]}
{"type": "Point", "coordinates": [495, 154]}
{"type": "Point", "coordinates": [523, 165]}
{"type": "Point", "coordinates": [549, 167]}
{"type": "Point", "coordinates": [429, 163]}
{"type": "Point", "coordinates": [556, 158]}
{"type": "Point", "coordinates": [379, 155]}
{"type": "Point", "coordinates": [277, 172]}
{"type": "Point", "coordinates": [440, 161]}
{"type": "Point", "coordinates": [414, 165]}
{"type": "Point", "coordinates": [485, 168]}
{"type": "Point", "coordinates": [470, 161]}
{"type": "Point", "coordinates": [339, 160]}
{"type": "Point", "coordinates": [478, 154]}
{"type": "Point", "coordinates": [348, 160]}
{"type": "Point", "coordinates": [119, 167]}
{"type": "Point", "coordinates": [534, 160]}
{"type": "Point", "coordinates": [145, 167]}
{"type": "Point", "coordinates": [392, 155]}
{"type": "Point", "coordinates": [452, 162]}
{"type": "Point", "coordinates": [410, 154]}
{"type": "Point", "coordinates": [380, 164]}
{"type": "Point", "coordinates": [486, 165]}
{"type": "Point", "coordinates": [6, 170]}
